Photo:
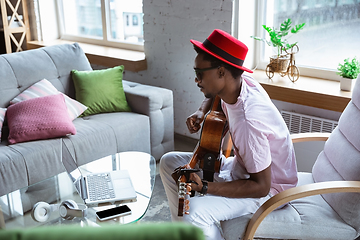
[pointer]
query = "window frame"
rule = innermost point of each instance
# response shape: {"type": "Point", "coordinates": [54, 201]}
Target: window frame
{"type": "Point", "coordinates": [259, 61]}
{"type": "Point", "coordinates": [105, 13]}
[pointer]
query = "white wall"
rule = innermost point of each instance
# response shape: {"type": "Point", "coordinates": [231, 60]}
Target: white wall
{"type": "Point", "coordinates": [168, 27]}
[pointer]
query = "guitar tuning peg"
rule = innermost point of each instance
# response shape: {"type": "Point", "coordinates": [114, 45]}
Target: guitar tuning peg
{"type": "Point", "coordinates": [182, 185]}
{"type": "Point", "coordinates": [188, 188]}
{"type": "Point", "coordinates": [187, 213]}
{"type": "Point", "coordinates": [187, 207]}
{"type": "Point", "coordinates": [187, 202]}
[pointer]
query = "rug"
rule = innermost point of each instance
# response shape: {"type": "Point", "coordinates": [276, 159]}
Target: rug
{"type": "Point", "coordinates": [158, 210]}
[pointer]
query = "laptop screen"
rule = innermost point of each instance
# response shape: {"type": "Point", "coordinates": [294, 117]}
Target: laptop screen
{"type": "Point", "coordinates": [69, 163]}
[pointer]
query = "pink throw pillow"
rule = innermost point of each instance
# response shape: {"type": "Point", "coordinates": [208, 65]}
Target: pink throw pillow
{"type": "Point", "coordinates": [39, 118]}
{"type": "Point", "coordinates": [45, 88]}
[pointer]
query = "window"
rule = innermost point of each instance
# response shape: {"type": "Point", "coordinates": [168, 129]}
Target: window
{"type": "Point", "coordinates": [331, 33]}
{"type": "Point", "coordinates": [117, 23]}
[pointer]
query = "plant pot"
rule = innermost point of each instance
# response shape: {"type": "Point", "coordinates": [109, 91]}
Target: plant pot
{"type": "Point", "coordinates": [346, 84]}
{"type": "Point", "coordinates": [279, 63]}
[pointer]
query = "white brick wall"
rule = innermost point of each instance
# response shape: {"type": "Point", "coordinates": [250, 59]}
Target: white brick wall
{"type": "Point", "coordinates": [168, 27]}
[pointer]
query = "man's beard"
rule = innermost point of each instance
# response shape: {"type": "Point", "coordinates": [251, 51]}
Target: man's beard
{"type": "Point", "coordinates": [208, 95]}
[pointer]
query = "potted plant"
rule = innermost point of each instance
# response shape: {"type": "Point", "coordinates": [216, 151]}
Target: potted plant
{"type": "Point", "coordinates": [279, 39]}
{"type": "Point", "coordinates": [348, 71]}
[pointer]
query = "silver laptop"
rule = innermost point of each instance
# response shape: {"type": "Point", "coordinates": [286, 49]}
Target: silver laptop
{"type": "Point", "coordinates": [97, 188]}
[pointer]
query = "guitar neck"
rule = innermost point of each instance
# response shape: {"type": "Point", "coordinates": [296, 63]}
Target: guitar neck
{"type": "Point", "coordinates": [215, 110]}
{"type": "Point", "coordinates": [213, 130]}
{"type": "Point", "coordinates": [216, 106]}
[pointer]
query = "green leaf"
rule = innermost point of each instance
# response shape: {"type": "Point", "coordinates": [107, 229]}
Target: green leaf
{"type": "Point", "coordinates": [349, 69]}
{"type": "Point", "coordinates": [261, 39]}
{"type": "Point", "coordinates": [257, 38]}
{"type": "Point", "coordinates": [285, 26]}
{"type": "Point", "coordinates": [268, 29]}
{"type": "Point", "coordinates": [278, 37]}
{"type": "Point", "coordinates": [289, 46]}
{"type": "Point", "coordinates": [276, 41]}
{"type": "Point", "coordinates": [297, 28]}
{"type": "Point", "coordinates": [282, 33]}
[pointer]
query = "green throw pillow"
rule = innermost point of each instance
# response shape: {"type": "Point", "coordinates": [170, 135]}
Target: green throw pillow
{"type": "Point", "coordinates": [101, 90]}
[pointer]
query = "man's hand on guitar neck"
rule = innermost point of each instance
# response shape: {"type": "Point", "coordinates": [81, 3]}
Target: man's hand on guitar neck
{"type": "Point", "coordinates": [258, 185]}
{"type": "Point", "coordinates": [194, 120]}
{"type": "Point", "coordinates": [195, 178]}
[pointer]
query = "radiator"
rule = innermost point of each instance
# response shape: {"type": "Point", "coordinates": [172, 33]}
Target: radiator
{"type": "Point", "coordinates": [301, 123]}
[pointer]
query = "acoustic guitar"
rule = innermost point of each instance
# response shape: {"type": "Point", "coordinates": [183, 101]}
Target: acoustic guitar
{"type": "Point", "coordinates": [209, 146]}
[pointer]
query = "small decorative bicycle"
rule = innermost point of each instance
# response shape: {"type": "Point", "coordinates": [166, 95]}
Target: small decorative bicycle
{"type": "Point", "coordinates": [284, 64]}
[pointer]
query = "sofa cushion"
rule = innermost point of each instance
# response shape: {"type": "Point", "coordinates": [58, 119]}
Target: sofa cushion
{"type": "Point", "coordinates": [131, 130]}
{"type": "Point", "coordinates": [2, 118]}
{"type": "Point", "coordinates": [45, 88]}
{"type": "Point", "coordinates": [20, 70]}
{"type": "Point", "coordinates": [110, 133]}
{"type": "Point", "coordinates": [39, 118]}
{"type": "Point", "coordinates": [13, 173]}
{"type": "Point", "coordinates": [101, 90]}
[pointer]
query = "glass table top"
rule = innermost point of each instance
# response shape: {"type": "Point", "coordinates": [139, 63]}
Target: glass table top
{"type": "Point", "coordinates": [15, 207]}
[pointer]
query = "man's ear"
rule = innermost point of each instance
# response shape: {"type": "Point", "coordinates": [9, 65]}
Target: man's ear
{"type": "Point", "coordinates": [221, 72]}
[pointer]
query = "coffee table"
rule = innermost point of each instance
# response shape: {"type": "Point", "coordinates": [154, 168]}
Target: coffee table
{"type": "Point", "coordinates": [16, 207]}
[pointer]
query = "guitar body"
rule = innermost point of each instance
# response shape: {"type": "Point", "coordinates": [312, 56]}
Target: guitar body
{"type": "Point", "coordinates": [212, 133]}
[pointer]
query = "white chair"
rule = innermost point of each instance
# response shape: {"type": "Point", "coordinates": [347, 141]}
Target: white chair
{"type": "Point", "coordinates": [326, 203]}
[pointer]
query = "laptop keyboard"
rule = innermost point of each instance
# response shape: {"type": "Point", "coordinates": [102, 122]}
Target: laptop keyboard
{"type": "Point", "coordinates": [100, 187]}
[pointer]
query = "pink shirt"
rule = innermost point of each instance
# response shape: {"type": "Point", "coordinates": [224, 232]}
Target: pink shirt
{"type": "Point", "coordinates": [260, 136]}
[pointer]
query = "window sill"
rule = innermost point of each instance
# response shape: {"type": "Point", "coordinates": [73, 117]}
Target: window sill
{"type": "Point", "coordinates": [134, 61]}
{"type": "Point", "coordinates": [308, 91]}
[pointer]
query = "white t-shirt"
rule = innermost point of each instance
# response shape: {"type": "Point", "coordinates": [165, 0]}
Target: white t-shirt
{"type": "Point", "coordinates": [260, 136]}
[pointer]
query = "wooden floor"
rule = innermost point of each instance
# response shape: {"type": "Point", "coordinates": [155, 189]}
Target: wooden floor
{"type": "Point", "coordinates": [183, 143]}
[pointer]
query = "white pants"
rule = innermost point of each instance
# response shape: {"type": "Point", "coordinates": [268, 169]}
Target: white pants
{"type": "Point", "coordinates": [207, 211]}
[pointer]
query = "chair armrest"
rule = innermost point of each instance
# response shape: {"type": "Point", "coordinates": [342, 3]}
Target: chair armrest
{"type": "Point", "coordinates": [296, 193]}
{"type": "Point", "coordinates": [144, 99]}
{"type": "Point", "coordinates": [307, 137]}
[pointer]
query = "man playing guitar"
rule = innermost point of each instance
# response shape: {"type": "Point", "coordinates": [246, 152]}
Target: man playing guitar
{"type": "Point", "coordinates": [264, 161]}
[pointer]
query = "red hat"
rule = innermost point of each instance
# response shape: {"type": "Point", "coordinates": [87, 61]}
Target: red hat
{"type": "Point", "coordinates": [225, 47]}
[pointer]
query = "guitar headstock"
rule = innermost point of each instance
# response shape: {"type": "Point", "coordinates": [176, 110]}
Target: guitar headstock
{"type": "Point", "coordinates": [184, 189]}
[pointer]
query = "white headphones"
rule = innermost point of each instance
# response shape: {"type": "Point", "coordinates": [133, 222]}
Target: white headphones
{"type": "Point", "coordinates": [68, 210]}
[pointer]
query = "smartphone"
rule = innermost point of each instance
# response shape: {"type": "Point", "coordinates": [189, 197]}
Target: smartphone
{"type": "Point", "coordinates": [113, 212]}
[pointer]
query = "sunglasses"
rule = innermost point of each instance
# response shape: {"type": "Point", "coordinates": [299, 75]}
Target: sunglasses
{"type": "Point", "coordinates": [199, 71]}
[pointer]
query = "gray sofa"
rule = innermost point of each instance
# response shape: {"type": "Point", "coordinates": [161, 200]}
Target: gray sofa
{"type": "Point", "coordinates": [149, 127]}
